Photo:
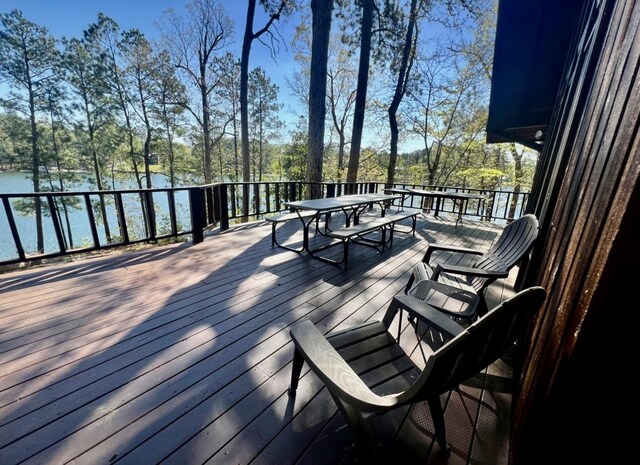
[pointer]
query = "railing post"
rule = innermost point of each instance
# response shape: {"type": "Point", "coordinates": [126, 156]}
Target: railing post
{"type": "Point", "coordinates": [331, 190]}
{"type": "Point", "coordinates": [172, 212]}
{"type": "Point", "coordinates": [267, 197]}
{"type": "Point", "coordinates": [234, 210]}
{"type": "Point", "coordinates": [53, 210]}
{"type": "Point", "coordinates": [223, 201]}
{"type": "Point", "coordinates": [215, 201]}
{"type": "Point", "coordinates": [122, 220]}
{"type": "Point", "coordinates": [256, 199]}
{"type": "Point", "coordinates": [14, 228]}
{"type": "Point", "coordinates": [245, 200]}
{"type": "Point", "coordinates": [278, 206]}
{"type": "Point", "coordinates": [292, 191]}
{"type": "Point", "coordinates": [198, 214]}
{"type": "Point", "coordinates": [151, 214]}
{"type": "Point", "coordinates": [210, 205]}
{"type": "Point", "coordinates": [489, 206]}
{"type": "Point", "coordinates": [372, 187]}
{"type": "Point", "coordinates": [92, 221]}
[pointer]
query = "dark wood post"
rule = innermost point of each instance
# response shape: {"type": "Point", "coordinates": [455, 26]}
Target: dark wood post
{"type": "Point", "coordinates": [171, 197]}
{"type": "Point", "coordinates": [278, 206]}
{"type": "Point", "coordinates": [292, 191]}
{"type": "Point", "coordinates": [151, 214]}
{"type": "Point", "coordinates": [211, 214]}
{"type": "Point", "coordinates": [331, 190]}
{"type": "Point", "coordinates": [215, 200]}
{"type": "Point", "coordinates": [245, 200]}
{"type": "Point", "coordinates": [14, 229]}
{"type": "Point", "coordinates": [53, 210]}
{"type": "Point", "coordinates": [198, 213]}
{"type": "Point", "coordinates": [223, 206]}
{"type": "Point", "coordinates": [92, 221]}
{"type": "Point", "coordinates": [122, 220]}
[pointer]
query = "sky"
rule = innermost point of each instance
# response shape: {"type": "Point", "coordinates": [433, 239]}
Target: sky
{"type": "Point", "coordinates": [70, 17]}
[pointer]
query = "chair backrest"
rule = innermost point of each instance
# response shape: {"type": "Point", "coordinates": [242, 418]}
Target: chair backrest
{"type": "Point", "coordinates": [511, 246]}
{"type": "Point", "coordinates": [481, 344]}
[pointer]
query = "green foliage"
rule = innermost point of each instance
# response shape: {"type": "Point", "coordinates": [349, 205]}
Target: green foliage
{"type": "Point", "coordinates": [265, 123]}
{"type": "Point", "coordinates": [293, 163]}
{"type": "Point", "coordinates": [97, 101]}
{"type": "Point", "coordinates": [15, 146]}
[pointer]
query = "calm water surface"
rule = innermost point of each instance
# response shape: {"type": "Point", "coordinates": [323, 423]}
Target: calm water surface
{"type": "Point", "coordinates": [19, 182]}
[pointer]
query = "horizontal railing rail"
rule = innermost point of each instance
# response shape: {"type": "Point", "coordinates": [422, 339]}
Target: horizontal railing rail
{"type": "Point", "coordinates": [75, 222]}
{"type": "Point", "coordinates": [85, 221]}
{"type": "Point", "coordinates": [497, 205]}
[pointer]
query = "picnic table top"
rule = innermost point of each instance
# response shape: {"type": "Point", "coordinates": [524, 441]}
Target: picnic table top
{"type": "Point", "coordinates": [442, 194]}
{"type": "Point", "coordinates": [344, 201]}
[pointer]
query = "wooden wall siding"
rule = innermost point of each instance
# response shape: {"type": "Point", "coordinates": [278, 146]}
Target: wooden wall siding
{"type": "Point", "coordinates": [563, 125]}
{"type": "Point", "coordinates": [589, 181]}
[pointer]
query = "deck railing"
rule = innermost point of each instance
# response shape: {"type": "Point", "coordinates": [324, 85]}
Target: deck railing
{"type": "Point", "coordinates": [75, 222]}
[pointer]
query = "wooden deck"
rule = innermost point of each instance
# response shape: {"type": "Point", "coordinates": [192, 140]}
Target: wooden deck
{"type": "Point", "coordinates": [181, 354]}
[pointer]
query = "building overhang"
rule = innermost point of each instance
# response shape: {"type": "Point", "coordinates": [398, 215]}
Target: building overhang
{"type": "Point", "coordinates": [532, 41]}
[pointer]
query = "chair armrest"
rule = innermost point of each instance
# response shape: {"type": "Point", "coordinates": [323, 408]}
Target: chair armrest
{"type": "Point", "coordinates": [327, 363]}
{"type": "Point", "coordinates": [448, 248]}
{"type": "Point", "coordinates": [424, 312]}
{"type": "Point", "coordinates": [467, 271]}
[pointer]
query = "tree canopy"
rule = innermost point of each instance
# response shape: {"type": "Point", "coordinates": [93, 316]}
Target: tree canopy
{"type": "Point", "coordinates": [391, 91]}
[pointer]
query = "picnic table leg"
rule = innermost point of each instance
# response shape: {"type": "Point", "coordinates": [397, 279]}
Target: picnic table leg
{"type": "Point", "coordinates": [461, 206]}
{"type": "Point", "coordinates": [305, 229]}
{"type": "Point", "coordinates": [345, 243]}
{"type": "Point", "coordinates": [437, 206]}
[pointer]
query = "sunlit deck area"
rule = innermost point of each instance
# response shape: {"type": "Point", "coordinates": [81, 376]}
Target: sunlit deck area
{"type": "Point", "coordinates": [181, 354]}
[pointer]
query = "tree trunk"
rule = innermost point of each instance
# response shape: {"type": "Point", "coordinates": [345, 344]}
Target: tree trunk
{"type": "Point", "coordinates": [56, 152]}
{"type": "Point", "coordinates": [235, 145]}
{"type": "Point", "coordinates": [96, 166]}
{"type": "Point", "coordinates": [321, 27]}
{"type": "Point", "coordinates": [401, 85]}
{"type": "Point", "coordinates": [35, 165]}
{"type": "Point", "coordinates": [361, 96]}
{"type": "Point", "coordinates": [127, 120]}
{"type": "Point", "coordinates": [341, 144]}
{"type": "Point", "coordinates": [167, 124]}
{"type": "Point", "coordinates": [244, 91]}
{"type": "Point", "coordinates": [517, 180]}
{"type": "Point", "coordinates": [206, 125]}
{"type": "Point", "coordinates": [260, 140]}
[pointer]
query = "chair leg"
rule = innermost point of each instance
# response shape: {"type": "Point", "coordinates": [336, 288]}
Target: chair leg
{"type": "Point", "coordinates": [437, 414]}
{"type": "Point", "coordinates": [364, 435]}
{"type": "Point", "coordinates": [345, 246]}
{"type": "Point", "coordinates": [296, 369]}
{"type": "Point", "coordinates": [363, 432]}
{"type": "Point", "coordinates": [482, 306]}
{"type": "Point", "coordinates": [409, 283]}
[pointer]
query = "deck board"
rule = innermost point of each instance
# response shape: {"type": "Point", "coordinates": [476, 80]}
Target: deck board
{"type": "Point", "coordinates": [181, 353]}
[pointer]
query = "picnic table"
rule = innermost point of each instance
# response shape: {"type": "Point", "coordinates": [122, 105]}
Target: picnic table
{"type": "Point", "coordinates": [460, 199]}
{"type": "Point", "coordinates": [352, 206]}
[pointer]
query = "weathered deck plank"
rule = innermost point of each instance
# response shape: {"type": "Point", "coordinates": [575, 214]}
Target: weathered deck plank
{"type": "Point", "coordinates": [182, 353]}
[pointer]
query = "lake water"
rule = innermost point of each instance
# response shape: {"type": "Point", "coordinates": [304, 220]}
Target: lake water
{"type": "Point", "coordinates": [19, 182]}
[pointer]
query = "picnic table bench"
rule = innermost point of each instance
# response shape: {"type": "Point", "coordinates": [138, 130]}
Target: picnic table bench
{"type": "Point", "coordinates": [358, 232]}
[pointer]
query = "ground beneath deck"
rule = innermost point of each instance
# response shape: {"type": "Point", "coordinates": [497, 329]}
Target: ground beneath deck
{"type": "Point", "coordinates": [181, 354]}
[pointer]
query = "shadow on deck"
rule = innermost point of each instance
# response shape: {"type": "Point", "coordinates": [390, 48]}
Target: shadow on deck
{"type": "Point", "coordinates": [181, 354]}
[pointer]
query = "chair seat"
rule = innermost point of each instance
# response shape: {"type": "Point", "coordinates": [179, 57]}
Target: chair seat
{"type": "Point", "coordinates": [423, 271]}
{"type": "Point", "coordinates": [376, 357]}
{"type": "Point", "coordinates": [456, 302]}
